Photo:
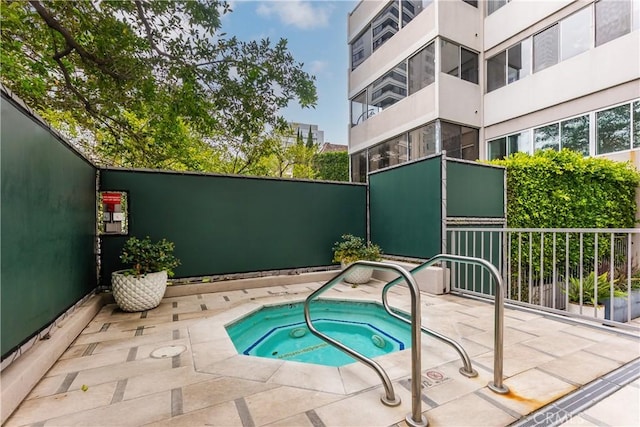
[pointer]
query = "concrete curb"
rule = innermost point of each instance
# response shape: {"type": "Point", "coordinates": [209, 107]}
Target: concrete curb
{"type": "Point", "coordinates": [19, 378]}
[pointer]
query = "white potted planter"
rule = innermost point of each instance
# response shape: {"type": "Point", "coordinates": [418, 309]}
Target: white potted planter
{"type": "Point", "coordinates": [587, 310]}
{"type": "Point", "coordinates": [138, 293]}
{"type": "Point", "coordinates": [352, 249]}
{"type": "Point", "coordinates": [142, 286]}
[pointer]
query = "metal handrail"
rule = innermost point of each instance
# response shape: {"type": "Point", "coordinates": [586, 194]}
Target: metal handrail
{"type": "Point", "coordinates": [467, 368]}
{"type": "Point", "coordinates": [415, 419]}
{"type": "Point", "coordinates": [496, 385]}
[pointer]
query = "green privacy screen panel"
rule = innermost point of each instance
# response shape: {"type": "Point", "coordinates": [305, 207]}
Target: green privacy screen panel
{"type": "Point", "coordinates": [474, 190]}
{"type": "Point", "coordinates": [405, 209]}
{"type": "Point", "coordinates": [48, 225]}
{"type": "Point", "coordinates": [225, 224]}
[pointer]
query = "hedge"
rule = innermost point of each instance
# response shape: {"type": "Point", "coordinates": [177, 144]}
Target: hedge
{"type": "Point", "coordinates": [332, 166]}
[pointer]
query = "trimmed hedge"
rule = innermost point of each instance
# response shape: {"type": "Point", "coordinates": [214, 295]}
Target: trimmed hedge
{"type": "Point", "coordinates": [332, 166]}
{"type": "Point", "coordinates": [554, 189]}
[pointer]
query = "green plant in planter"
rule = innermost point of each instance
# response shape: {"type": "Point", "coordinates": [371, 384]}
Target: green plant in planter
{"type": "Point", "coordinates": [352, 249]}
{"type": "Point", "coordinates": [144, 256]}
{"type": "Point", "coordinates": [588, 289]}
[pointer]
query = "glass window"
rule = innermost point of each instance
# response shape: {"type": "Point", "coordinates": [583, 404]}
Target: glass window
{"type": "Point", "coordinates": [545, 49]}
{"type": "Point", "coordinates": [496, 71]}
{"type": "Point", "coordinates": [359, 167]}
{"type": "Point", "coordinates": [388, 153]}
{"type": "Point", "coordinates": [469, 143]}
{"type": "Point", "coordinates": [636, 124]}
{"type": "Point", "coordinates": [359, 109]}
{"type": "Point", "coordinates": [473, 3]}
{"type": "Point", "coordinates": [422, 68]}
{"type": "Point", "coordinates": [449, 58]}
{"type": "Point", "coordinates": [385, 25]}
{"type": "Point", "coordinates": [546, 137]}
{"type": "Point", "coordinates": [575, 33]}
{"type": "Point", "coordinates": [613, 19]}
{"type": "Point", "coordinates": [497, 149]}
{"type": "Point", "coordinates": [388, 89]}
{"type": "Point", "coordinates": [493, 5]}
{"type": "Point", "coordinates": [411, 9]}
{"type": "Point", "coordinates": [450, 137]}
{"type": "Point", "coordinates": [468, 65]}
{"type": "Point", "coordinates": [636, 15]}
{"type": "Point", "coordinates": [613, 130]}
{"type": "Point", "coordinates": [422, 141]}
{"type": "Point", "coordinates": [519, 61]}
{"type": "Point", "coordinates": [519, 143]}
{"type": "Point", "coordinates": [574, 134]}
{"type": "Point", "coordinates": [361, 49]}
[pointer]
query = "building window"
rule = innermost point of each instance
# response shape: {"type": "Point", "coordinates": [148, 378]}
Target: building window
{"type": "Point", "coordinates": [613, 19]}
{"type": "Point", "coordinates": [360, 49]}
{"type": "Point", "coordinates": [575, 34]}
{"type": "Point", "coordinates": [385, 25]}
{"type": "Point", "coordinates": [458, 61]}
{"type": "Point", "coordinates": [389, 153]}
{"type": "Point", "coordinates": [458, 141]}
{"type": "Point", "coordinates": [519, 143]}
{"type": "Point", "coordinates": [545, 49]}
{"type": "Point", "coordinates": [519, 61]}
{"type": "Point", "coordinates": [388, 89]}
{"type": "Point", "coordinates": [411, 9]}
{"type": "Point", "coordinates": [496, 75]}
{"type": "Point", "coordinates": [493, 5]}
{"type": "Point", "coordinates": [422, 141]}
{"type": "Point", "coordinates": [497, 149]}
{"type": "Point", "coordinates": [574, 134]}
{"type": "Point", "coordinates": [546, 137]}
{"type": "Point", "coordinates": [359, 167]}
{"type": "Point", "coordinates": [422, 68]}
{"type": "Point", "coordinates": [636, 124]}
{"type": "Point", "coordinates": [473, 3]}
{"type": "Point", "coordinates": [613, 129]}
{"type": "Point", "coordinates": [359, 109]}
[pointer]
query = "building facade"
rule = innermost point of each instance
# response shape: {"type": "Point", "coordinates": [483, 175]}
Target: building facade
{"type": "Point", "coordinates": [485, 79]}
{"type": "Point", "coordinates": [303, 130]}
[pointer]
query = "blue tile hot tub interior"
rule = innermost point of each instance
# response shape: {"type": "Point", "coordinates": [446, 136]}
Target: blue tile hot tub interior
{"type": "Point", "coordinates": [280, 332]}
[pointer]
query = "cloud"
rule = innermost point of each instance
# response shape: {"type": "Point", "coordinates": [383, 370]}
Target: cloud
{"type": "Point", "coordinates": [305, 15]}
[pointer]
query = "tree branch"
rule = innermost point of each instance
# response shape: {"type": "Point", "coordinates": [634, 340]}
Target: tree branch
{"type": "Point", "coordinates": [71, 43]}
{"type": "Point", "coordinates": [149, 31]}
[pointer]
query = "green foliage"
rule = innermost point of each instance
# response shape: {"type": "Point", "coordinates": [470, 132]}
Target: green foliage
{"type": "Point", "coordinates": [151, 84]}
{"type": "Point", "coordinates": [352, 248]}
{"type": "Point", "coordinates": [310, 143]}
{"type": "Point", "coordinates": [563, 189]}
{"type": "Point", "coordinates": [145, 256]}
{"type": "Point", "coordinates": [332, 166]}
{"type": "Point", "coordinates": [587, 289]}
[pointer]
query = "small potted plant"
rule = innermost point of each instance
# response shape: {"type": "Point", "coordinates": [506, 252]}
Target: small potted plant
{"type": "Point", "coordinates": [588, 294]}
{"type": "Point", "coordinates": [351, 249]}
{"type": "Point", "coordinates": [141, 286]}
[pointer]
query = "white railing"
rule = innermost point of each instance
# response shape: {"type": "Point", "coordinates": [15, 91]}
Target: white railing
{"type": "Point", "coordinates": [555, 269]}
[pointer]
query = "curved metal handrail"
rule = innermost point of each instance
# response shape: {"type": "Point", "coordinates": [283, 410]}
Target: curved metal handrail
{"type": "Point", "coordinates": [415, 418]}
{"type": "Point", "coordinates": [497, 385]}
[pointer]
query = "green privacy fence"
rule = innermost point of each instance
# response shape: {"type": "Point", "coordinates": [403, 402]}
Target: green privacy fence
{"type": "Point", "coordinates": [48, 225]}
{"type": "Point", "coordinates": [405, 208]}
{"type": "Point", "coordinates": [231, 224]}
{"type": "Point", "coordinates": [410, 205]}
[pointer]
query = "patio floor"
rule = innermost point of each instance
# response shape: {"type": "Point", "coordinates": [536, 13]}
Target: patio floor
{"type": "Point", "coordinates": [108, 377]}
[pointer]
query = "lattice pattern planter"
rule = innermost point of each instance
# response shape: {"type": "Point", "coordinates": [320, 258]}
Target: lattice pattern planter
{"type": "Point", "coordinates": [138, 293]}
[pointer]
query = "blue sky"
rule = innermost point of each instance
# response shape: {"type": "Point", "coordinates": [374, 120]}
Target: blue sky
{"type": "Point", "coordinates": [317, 36]}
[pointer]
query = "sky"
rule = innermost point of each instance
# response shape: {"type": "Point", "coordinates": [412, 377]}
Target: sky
{"type": "Point", "coordinates": [316, 32]}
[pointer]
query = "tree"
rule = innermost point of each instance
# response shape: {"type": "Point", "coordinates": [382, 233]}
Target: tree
{"type": "Point", "coordinates": [153, 84]}
{"type": "Point", "coordinates": [310, 142]}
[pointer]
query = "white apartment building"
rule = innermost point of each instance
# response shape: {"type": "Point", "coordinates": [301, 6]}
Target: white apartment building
{"type": "Point", "coordinates": [303, 129]}
{"type": "Point", "coordinates": [484, 79]}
